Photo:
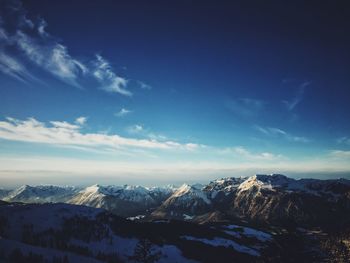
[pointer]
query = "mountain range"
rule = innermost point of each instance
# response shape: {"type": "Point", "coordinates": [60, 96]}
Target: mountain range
{"type": "Point", "coordinates": [261, 218]}
{"type": "Point", "coordinates": [272, 198]}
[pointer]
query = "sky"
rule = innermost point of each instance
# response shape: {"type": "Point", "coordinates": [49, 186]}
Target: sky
{"type": "Point", "coordinates": [158, 92]}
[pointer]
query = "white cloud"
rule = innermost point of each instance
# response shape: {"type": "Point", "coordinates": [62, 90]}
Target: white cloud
{"type": "Point", "coordinates": [137, 128]}
{"type": "Point", "coordinates": [276, 132]}
{"type": "Point", "coordinates": [123, 112]}
{"type": "Point", "coordinates": [81, 120]}
{"type": "Point", "coordinates": [155, 136]}
{"type": "Point", "coordinates": [67, 134]}
{"type": "Point", "coordinates": [52, 57]}
{"type": "Point", "coordinates": [41, 28]}
{"type": "Point", "coordinates": [62, 125]}
{"type": "Point", "coordinates": [12, 67]}
{"type": "Point", "coordinates": [110, 82]}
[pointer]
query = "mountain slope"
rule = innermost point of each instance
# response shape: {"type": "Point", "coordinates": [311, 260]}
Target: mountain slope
{"type": "Point", "coordinates": [51, 231]}
{"type": "Point", "coordinates": [41, 194]}
{"type": "Point", "coordinates": [186, 201]}
{"type": "Point", "coordinates": [262, 198]}
{"type": "Point", "coordinates": [122, 200]}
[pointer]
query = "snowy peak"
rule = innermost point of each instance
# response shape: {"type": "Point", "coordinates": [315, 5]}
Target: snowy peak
{"type": "Point", "coordinates": [273, 179]}
{"type": "Point", "coordinates": [126, 200]}
{"type": "Point", "coordinates": [265, 181]}
{"type": "Point", "coordinates": [41, 193]}
{"type": "Point", "coordinates": [278, 182]}
{"type": "Point", "coordinates": [226, 185]}
{"type": "Point", "coordinates": [126, 192]}
{"type": "Point", "coordinates": [191, 192]}
{"type": "Point", "coordinates": [186, 201]}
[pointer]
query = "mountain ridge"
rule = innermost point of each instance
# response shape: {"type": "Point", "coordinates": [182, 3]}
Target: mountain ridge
{"type": "Point", "coordinates": [261, 197]}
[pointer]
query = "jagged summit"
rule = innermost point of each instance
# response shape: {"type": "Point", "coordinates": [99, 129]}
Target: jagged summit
{"type": "Point", "coordinates": [191, 192]}
{"type": "Point", "coordinates": [265, 181]}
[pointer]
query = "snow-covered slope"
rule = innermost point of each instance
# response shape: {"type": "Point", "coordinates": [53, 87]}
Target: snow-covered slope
{"type": "Point", "coordinates": [41, 194]}
{"type": "Point", "coordinates": [186, 201]}
{"type": "Point", "coordinates": [187, 193]}
{"type": "Point", "coordinates": [122, 200]}
{"type": "Point", "coordinates": [278, 182]}
{"type": "Point", "coordinates": [259, 197]}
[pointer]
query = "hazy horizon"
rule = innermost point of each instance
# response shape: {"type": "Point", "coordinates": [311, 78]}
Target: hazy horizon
{"type": "Point", "coordinates": [150, 181]}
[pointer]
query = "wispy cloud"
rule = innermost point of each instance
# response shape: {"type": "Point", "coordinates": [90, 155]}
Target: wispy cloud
{"type": "Point", "coordinates": [343, 140]}
{"type": "Point", "coordinates": [34, 45]}
{"type": "Point", "coordinates": [68, 134]}
{"type": "Point", "coordinates": [140, 130]}
{"type": "Point", "coordinates": [110, 82]}
{"type": "Point", "coordinates": [340, 154]}
{"type": "Point", "coordinates": [24, 42]}
{"type": "Point", "coordinates": [155, 136]}
{"type": "Point", "coordinates": [135, 129]}
{"type": "Point", "coordinates": [246, 107]}
{"type": "Point", "coordinates": [276, 132]}
{"type": "Point", "coordinates": [143, 85]}
{"type": "Point", "coordinates": [12, 67]}
{"type": "Point", "coordinates": [242, 152]}
{"type": "Point", "coordinates": [293, 102]}
{"type": "Point", "coordinates": [52, 57]}
{"type": "Point", "coordinates": [123, 112]}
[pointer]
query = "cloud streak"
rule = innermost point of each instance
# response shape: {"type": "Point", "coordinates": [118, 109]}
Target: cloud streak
{"type": "Point", "coordinates": [343, 140]}
{"type": "Point", "coordinates": [123, 112]}
{"type": "Point", "coordinates": [135, 129]}
{"type": "Point", "coordinates": [276, 132]}
{"type": "Point", "coordinates": [12, 67]}
{"type": "Point", "coordinates": [340, 154]}
{"type": "Point", "coordinates": [52, 57]}
{"type": "Point", "coordinates": [67, 134]}
{"type": "Point", "coordinates": [292, 103]}
{"type": "Point", "coordinates": [241, 151]}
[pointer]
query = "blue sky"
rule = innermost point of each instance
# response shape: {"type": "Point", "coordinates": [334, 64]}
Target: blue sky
{"type": "Point", "coordinates": [166, 92]}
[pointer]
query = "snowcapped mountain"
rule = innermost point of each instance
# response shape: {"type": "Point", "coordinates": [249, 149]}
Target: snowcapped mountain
{"type": "Point", "coordinates": [264, 198]}
{"type": "Point", "coordinates": [41, 194]}
{"type": "Point", "coordinates": [122, 200]}
{"type": "Point", "coordinates": [282, 200]}
{"type": "Point", "coordinates": [87, 233]}
{"type": "Point", "coordinates": [184, 202]}
{"type": "Point", "coordinates": [280, 182]}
